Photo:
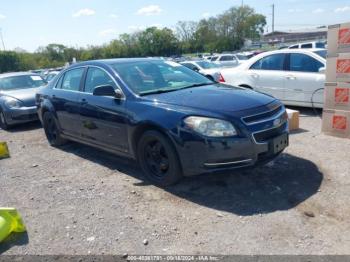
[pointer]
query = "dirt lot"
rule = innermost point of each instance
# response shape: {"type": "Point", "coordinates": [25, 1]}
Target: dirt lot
{"type": "Point", "coordinates": [78, 200]}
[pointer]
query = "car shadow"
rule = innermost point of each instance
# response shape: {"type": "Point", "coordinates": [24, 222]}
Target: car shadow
{"type": "Point", "coordinates": [15, 239]}
{"type": "Point", "coordinates": [281, 185]}
{"type": "Point", "coordinates": [24, 127]}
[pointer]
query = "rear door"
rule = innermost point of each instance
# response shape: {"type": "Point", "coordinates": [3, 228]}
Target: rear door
{"type": "Point", "coordinates": [103, 119]}
{"type": "Point", "coordinates": [303, 79]}
{"type": "Point", "coordinates": [269, 75]}
{"type": "Point", "coordinates": [65, 101]}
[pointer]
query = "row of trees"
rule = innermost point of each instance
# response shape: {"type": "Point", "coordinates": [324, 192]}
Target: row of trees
{"type": "Point", "coordinates": [225, 32]}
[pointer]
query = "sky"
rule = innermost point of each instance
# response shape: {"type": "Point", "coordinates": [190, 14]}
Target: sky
{"type": "Point", "coordinates": [79, 23]}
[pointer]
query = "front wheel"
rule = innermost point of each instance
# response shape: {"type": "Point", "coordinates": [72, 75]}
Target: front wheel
{"type": "Point", "coordinates": [158, 159]}
{"type": "Point", "coordinates": [3, 123]}
{"type": "Point", "coordinates": [51, 130]}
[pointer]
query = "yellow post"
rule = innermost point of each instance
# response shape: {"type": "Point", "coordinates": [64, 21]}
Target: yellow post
{"type": "Point", "coordinates": [4, 151]}
{"type": "Point", "coordinates": [10, 221]}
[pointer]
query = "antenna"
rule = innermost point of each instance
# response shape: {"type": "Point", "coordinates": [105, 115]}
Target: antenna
{"type": "Point", "coordinates": [2, 39]}
{"type": "Point", "coordinates": [273, 18]}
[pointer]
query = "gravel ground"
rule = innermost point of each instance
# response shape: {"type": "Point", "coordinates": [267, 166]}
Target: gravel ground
{"type": "Point", "coordinates": [78, 200]}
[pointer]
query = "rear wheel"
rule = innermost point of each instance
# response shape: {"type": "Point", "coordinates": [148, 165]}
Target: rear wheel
{"type": "Point", "coordinates": [158, 159]}
{"type": "Point", "coordinates": [51, 130]}
{"type": "Point", "coordinates": [3, 123]}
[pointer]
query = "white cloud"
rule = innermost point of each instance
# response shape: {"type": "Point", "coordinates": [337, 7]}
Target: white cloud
{"type": "Point", "coordinates": [2, 16]}
{"type": "Point", "coordinates": [150, 10]}
{"type": "Point", "coordinates": [318, 11]}
{"type": "Point", "coordinates": [113, 16]}
{"type": "Point", "coordinates": [84, 12]}
{"type": "Point", "coordinates": [206, 15]}
{"type": "Point", "coordinates": [296, 10]}
{"type": "Point", "coordinates": [136, 28]}
{"type": "Point", "coordinates": [108, 32]}
{"type": "Point", "coordinates": [342, 9]}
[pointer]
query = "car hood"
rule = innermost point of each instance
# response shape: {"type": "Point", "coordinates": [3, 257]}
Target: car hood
{"type": "Point", "coordinates": [216, 98]}
{"type": "Point", "coordinates": [26, 96]}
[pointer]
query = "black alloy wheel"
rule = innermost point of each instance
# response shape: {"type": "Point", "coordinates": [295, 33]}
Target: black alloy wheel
{"type": "Point", "coordinates": [158, 159]}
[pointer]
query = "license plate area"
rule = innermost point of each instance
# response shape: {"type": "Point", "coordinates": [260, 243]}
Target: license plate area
{"type": "Point", "coordinates": [279, 143]}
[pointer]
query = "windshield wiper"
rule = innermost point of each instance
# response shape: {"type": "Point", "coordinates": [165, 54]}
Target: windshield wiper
{"type": "Point", "coordinates": [166, 90]}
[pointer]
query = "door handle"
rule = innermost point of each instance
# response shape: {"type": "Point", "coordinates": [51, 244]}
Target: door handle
{"type": "Point", "coordinates": [254, 75]}
{"type": "Point", "coordinates": [291, 77]}
{"type": "Point", "coordinates": [83, 101]}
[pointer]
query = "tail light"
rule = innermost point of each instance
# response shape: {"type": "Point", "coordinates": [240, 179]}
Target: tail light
{"type": "Point", "coordinates": [221, 78]}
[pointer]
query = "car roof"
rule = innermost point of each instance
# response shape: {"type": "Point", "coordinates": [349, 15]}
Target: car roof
{"type": "Point", "coordinates": [115, 61]}
{"type": "Point", "coordinates": [16, 74]}
{"type": "Point", "coordinates": [299, 50]}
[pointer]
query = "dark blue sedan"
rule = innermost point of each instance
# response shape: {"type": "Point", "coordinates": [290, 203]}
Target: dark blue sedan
{"type": "Point", "coordinates": [173, 120]}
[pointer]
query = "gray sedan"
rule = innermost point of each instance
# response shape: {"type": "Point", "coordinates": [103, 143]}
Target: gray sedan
{"type": "Point", "coordinates": [17, 98]}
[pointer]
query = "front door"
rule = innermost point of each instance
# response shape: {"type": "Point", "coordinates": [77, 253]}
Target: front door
{"type": "Point", "coordinates": [303, 80]}
{"type": "Point", "coordinates": [103, 119]}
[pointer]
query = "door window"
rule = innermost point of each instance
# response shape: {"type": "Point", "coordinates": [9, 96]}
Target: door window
{"type": "Point", "coordinates": [226, 58]}
{"type": "Point", "coordinates": [72, 78]}
{"type": "Point", "coordinates": [97, 77]}
{"type": "Point", "coordinates": [306, 45]}
{"type": "Point", "coordinates": [271, 62]}
{"type": "Point", "coordinates": [304, 63]}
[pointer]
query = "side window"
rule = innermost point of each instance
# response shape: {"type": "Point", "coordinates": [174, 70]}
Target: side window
{"type": "Point", "coordinates": [271, 62]}
{"type": "Point", "coordinates": [306, 45]}
{"type": "Point", "coordinates": [294, 47]}
{"type": "Point", "coordinates": [304, 63]}
{"type": "Point", "coordinates": [214, 58]}
{"type": "Point", "coordinates": [96, 77]}
{"type": "Point", "coordinates": [226, 58]}
{"type": "Point", "coordinates": [59, 82]}
{"type": "Point", "coordinates": [72, 78]}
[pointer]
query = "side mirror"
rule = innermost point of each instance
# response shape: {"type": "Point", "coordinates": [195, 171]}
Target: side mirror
{"type": "Point", "coordinates": [322, 70]}
{"type": "Point", "coordinates": [196, 69]}
{"type": "Point", "coordinates": [107, 90]}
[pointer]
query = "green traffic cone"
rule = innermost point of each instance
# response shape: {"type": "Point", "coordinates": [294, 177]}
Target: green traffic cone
{"type": "Point", "coordinates": [10, 221]}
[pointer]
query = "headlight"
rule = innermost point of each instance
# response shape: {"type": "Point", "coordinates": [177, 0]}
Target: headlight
{"type": "Point", "coordinates": [12, 102]}
{"type": "Point", "coordinates": [210, 126]}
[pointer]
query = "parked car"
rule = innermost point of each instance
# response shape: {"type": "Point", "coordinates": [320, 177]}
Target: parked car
{"type": "Point", "coordinates": [173, 120]}
{"type": "Point", "coordinates": [17, 98]}
{"type": "Point", "coordinates": [206, 68]}
{"type": "Point", "coordinates": [226, 60]}
{"type": "Point", "coordinates": [308, 45]}
{"type": "Point", "coordinates": [294, 76]}
{"type": "Point", "coordinates": [51, 75]}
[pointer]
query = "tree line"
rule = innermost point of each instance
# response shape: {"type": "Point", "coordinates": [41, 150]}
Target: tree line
{"type": "Point", "coordinates": [225, 32]}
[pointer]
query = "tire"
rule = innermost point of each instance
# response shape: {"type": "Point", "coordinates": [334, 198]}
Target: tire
{"type": "Point", "coordinates": [3, 124]}
{"type": "Point", "coordinates": [52, 132]}
{"type": "Point", "coordinates": [158, 159]}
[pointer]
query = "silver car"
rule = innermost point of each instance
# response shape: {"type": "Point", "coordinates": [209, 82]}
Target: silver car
{"type": "Point", "coordinates": [206, 68]}
{"type": "Point", "coordinates": [17, 98]}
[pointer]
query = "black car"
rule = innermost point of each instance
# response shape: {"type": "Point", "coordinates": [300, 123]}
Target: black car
{"type": "Point", "coordinates": [173, 120]}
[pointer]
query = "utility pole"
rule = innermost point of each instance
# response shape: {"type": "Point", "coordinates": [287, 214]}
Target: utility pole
{"type": "Point", "coordinates": [2, 39]}
{"type": "Point", "coordinates": [273, 18]}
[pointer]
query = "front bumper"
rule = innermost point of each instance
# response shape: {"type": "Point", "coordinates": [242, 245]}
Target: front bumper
{"type": "Point", "coordinates": [20, 115]}
{"type": "Point", "coordinates": [202, 155]}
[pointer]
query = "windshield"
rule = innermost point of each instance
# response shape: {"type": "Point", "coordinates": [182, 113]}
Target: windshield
{"type": "Point", "coordinates": [322, 53]}
{"type": "Point", "coordinates": [21, 82]}
{"type": "Point", "coordinates": [207, 65]}
{"type": "Point", "coordinates": [148, 77]}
